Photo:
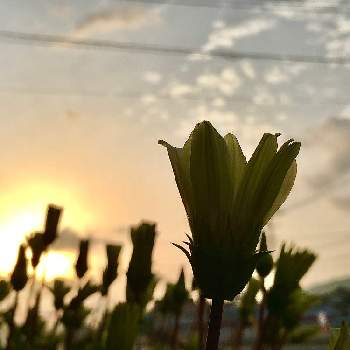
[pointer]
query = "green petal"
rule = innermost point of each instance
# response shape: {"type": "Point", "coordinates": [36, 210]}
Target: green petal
{"type": "Point", "coordinates": [210, 177]}
{"type": "Point", "coordinates": [285, 189]}
{"type": "Point", "coordinates": [281, 169]}
{"type": "Point", "coordinates": [180, 162]}
{"type": "Point", "coordinates": [253, 179]}
{"type": "Point", "coordinates": [237, 161]}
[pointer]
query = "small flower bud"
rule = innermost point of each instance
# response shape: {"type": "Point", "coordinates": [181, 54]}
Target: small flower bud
{"type": "Point", "coordinates": [82, 266]}
{"type": "Point", "coordinates": [110, 273]}
{"type": "Point", "coordinates": [139, 275]}
{"type": "Point", "coordinates": [37, 246]}
{"type": "Point", "coordinates": [59, 291]}
{"type": "Point", "coordinates": [52, 220]}
{"type": "Point", "coordinates": [19, 275]}
{"type": "Point", "coordinates": [265, 260]}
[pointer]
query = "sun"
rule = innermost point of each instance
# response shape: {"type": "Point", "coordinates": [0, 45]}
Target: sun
{"type": "Point", "coordinates": [23, 211]}
{"type": "Point", "coordinates": [56, 264]}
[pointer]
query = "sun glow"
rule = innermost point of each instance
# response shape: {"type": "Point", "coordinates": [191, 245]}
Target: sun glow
{"type": "Point", "coordinates": [23, 210]}
{"type": "Point", "coordinates": [56, 264]}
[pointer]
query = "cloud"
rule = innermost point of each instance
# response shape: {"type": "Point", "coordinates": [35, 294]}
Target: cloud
{"type": "Point", "coordinates": [248, 70]}
{"type": "Point", "coordinates": [179, 90]}
{"type": "Point", "coordinates": [121, 18]}
{"type": "Point", "coordinates": [152, 77]}
{"type": "Point", "coordinates": [68, 239]}
{"type": "Point", "coordinates": [328, 148]}
{"type": "Point", "coordinates": [227, 36]}
{"type": "Point", "coordinates": [264, 97]}
{"type": "Point", "coordinates": [227, 81]}
{"type": "Point", "coordinates": [148, 99]}
{"type": "Point", "coordinates": [331, 142]}
{"type": "Point", "coordinates": [218, 102]}
{"type": "Point", "coordinates": [275, 76]}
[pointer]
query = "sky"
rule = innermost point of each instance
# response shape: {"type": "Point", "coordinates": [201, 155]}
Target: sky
{"type": "Point", "coordinates": [79, 124]}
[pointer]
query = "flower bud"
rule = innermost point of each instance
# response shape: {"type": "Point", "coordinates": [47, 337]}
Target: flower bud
{"type": "Point", "coordinates": [52, 220]}
{"type": "Point", "coordinates": [291, 266]}
{"type": "Point", "coordinates": [265, 261]}
{"type": "Point", "coordinates": [82, 262]}
{"type": "Point", "coordinates": [59, 291]}
{"type": "Point", "coordinates": [139, 275]}
{"type": "Point", "coordinates": [19, 275]}
{"type": "Point", "coordinates": [110, 273]}
{"type": "Point", "coordinates": [37, 246]}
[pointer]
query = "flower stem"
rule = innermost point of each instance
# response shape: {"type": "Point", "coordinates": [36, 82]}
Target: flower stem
{"type": "Point", "coordinates": [200, 320]}
{"type": "Point", "coordinates": [214, 324]}
{"type": "Point", "coordinates": [261, 319]}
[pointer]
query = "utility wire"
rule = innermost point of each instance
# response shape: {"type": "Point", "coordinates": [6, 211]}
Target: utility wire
{"type": "Point", "coordinates": [235, 99]}
{"type": "Point", "coordinates": [252, 6]}
{"type": "Point", "coordinates": [155, 49]}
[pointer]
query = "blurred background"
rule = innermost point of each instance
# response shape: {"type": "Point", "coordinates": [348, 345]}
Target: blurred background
{"type": "Point", "coordinates": [88, 87]}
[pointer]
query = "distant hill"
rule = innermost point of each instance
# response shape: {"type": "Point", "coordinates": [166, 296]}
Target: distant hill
{"type": "Point", "coordinates": [328, 287]}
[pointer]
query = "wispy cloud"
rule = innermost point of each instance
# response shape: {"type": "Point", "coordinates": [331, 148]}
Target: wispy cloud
{"type": "Point", "coordinates": [227, 81]}
{"type": "Point", "coordinates": [226, 36]}
{"type": "Point", "coordinates": [68, 239]}
{"type": "Point", "coordinates": [119, 18]}
{"type": "Point", "coordinates": [152, 77]}
{"type": "Point", "coordinates": [328, 147]}
{"type": "Point", "coordinates": [275, 76]}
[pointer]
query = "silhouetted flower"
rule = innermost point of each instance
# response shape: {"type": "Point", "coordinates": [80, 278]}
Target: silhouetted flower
{"type": "Point", "coordinates": [83, 293]}
{"type": "Point", "coordinates": [19, 275]}
{"type": "Point", "coordinates": [40, 241]}
{"type": "Point", "coordinates": [265, 262]}
{"type": "Point", "coordinates": [286, 302]}
{"type": "Point", "coordinates": [110, 273]}
{"type": "Point", "coordinates": [52, 220]}
{"type": "Point", "coordinates": [228, 201]}
{"type": "Point", "coordinates": [59, 291]}
{"type": "Point", "coordinates": [37, 246]}
{"type": "Point", "coordinates": [291, 266]}
{"type": "Point", "coordinates": [82, 262]}
{"type": "Point", "coordinates": [140, 280]}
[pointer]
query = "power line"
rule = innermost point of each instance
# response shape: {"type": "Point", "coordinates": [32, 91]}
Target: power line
{"type": "Point", "coordinates": [155, 49]}
{"type": "Point", "coordinates": [252, 7]}
{"type": "Point", "coordinates": [235, 99]}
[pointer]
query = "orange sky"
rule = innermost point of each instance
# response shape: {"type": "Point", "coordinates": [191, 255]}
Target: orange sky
{"type": "Point", "coordinates": [79, 127]}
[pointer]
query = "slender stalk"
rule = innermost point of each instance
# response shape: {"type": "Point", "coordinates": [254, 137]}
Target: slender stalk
{"type": "Point", "coordinates": [11, 323]}
{"type": "Point", "coordinates": [57, 322]}
{"type": "Point", "coordinates": [175, 335]}
{"type": "Point", "coordinates": [216, 309]}
{"type": "Point", "coordinates": [239, 336]}
{"type": "Point", "coordinates": [261, 318]}
{"type": "Point", "coordinates": [103, 321]}
{"type": "Point", "coordinates": [200, 321]}
{"type": "Point", "coordinates": [283, 339]}
{"type": "Point", "coordinates": [31, 291]}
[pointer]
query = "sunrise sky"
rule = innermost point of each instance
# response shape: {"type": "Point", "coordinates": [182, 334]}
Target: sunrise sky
{"type": "Point", "coordinates": [79, 125]}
